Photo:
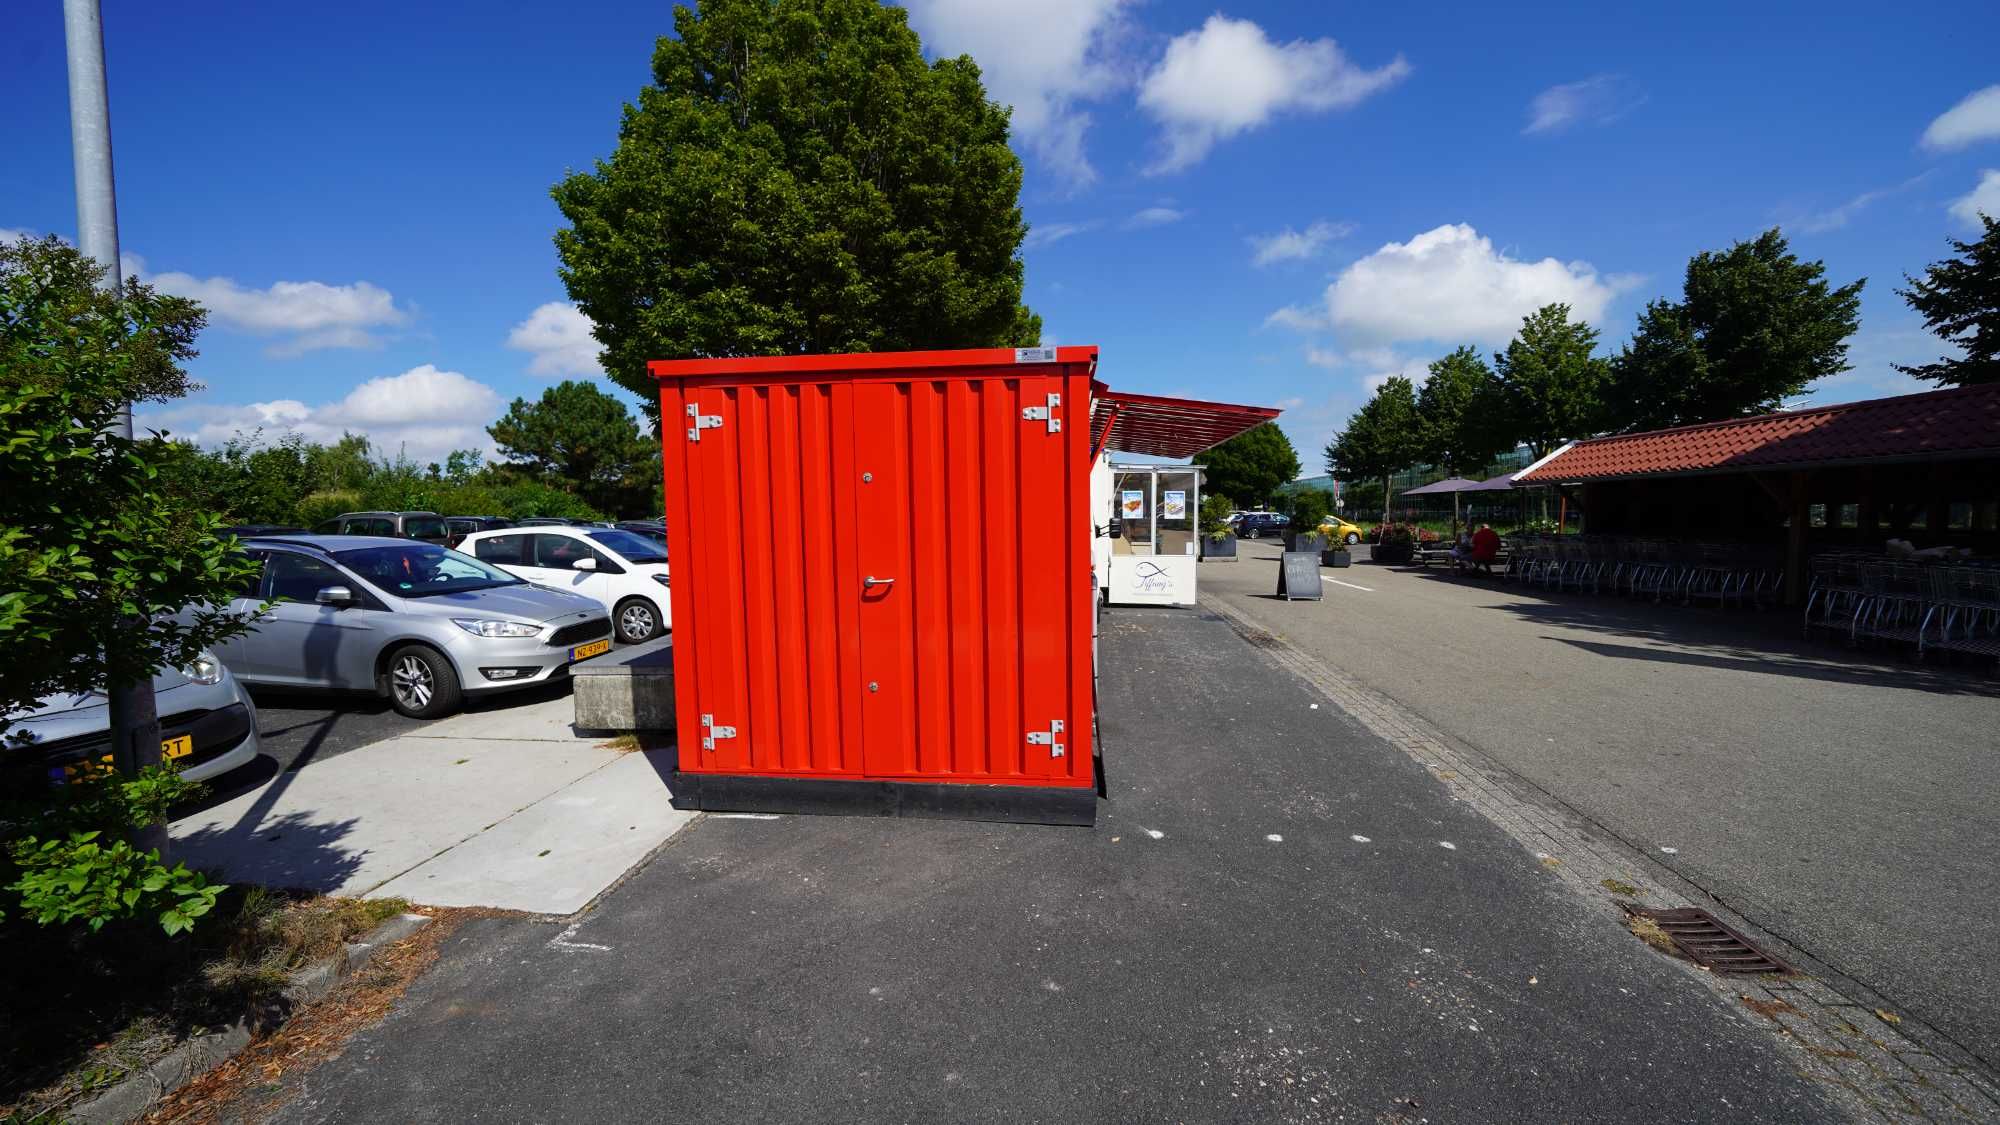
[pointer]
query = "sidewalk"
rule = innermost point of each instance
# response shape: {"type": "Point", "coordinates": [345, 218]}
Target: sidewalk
{"type": "Point", "coordinates": [502, 808]}
{"type": "Point", "coordinates": [1277, 916]}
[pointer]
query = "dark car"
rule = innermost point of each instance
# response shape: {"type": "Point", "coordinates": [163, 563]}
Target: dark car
{"type": "Point", "coordinates": [546, 521]}
{"type": "Point", "coordinates": [462, 526]}
{"type": "Point", "coordinates": [246, 530]}
{"type": "Point", "coordinates": [1256, 525]}
{"type": "Point", "coordinates": [655, 530]}
{"type": "Point", "coordinates": [426, 526]}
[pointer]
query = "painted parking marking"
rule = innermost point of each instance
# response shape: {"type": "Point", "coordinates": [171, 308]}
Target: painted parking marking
{"type": "Point", "coordinates": [1352, 586]}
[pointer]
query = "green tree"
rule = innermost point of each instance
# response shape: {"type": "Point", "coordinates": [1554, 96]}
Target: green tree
{"type": "Point", "coordinates": [1754, 327]}
{"type": "Point", "coordinates": [1550, 382]}
{"type": "Point", "coordinates": [584, 441]}
{"type": "Point", "coordinates": [1464, 414]}
{"type": "Point", "coordinates": [1249, 467]}
{"type": "Point", "coordinates": [97, 562]}
{"type": "Point", "coordinates": [1385, 435]}
{"type": "Point", "coordinates": [1959, 299]}
{"type": "Point", "coordinates": [798, 179]}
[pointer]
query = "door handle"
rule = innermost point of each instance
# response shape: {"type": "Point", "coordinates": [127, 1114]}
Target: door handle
{"type": "Point", "coordinates": [871, 582]}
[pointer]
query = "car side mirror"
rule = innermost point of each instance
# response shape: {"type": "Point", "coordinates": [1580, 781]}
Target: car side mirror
{"type": "Point", "coordinates": [335, 596]}
{"type": "Point", "coordinates": [586, 563]}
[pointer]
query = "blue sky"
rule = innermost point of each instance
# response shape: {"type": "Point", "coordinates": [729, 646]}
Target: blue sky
{"type": "Point", "coordinates": [1279, 203]}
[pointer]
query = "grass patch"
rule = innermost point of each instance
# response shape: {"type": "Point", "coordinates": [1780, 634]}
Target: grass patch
{"type": "Point", "coordinates": [1620, 887]}
{"type": "Point", "coordinates": [1649, 931]}
{"type": "Point", "coordinates": [85, 1010]}
{"type": "Point", "coordinates": [642, 740]}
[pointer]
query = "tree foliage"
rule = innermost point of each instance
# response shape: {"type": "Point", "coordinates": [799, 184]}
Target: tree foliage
{"type": "Point", "coordinates": [1463, 409]}
{"type": "Point", "coordinates": [1755, 326]}
{"type": "Point", "coordinates": [1959, 299]}
{"type": "Point", "coordinates": [1550, 382]}
{"type": "Point", "coordinates": [798, 179]}
{"type": "Point", "coordinates": [580, 439]}
{"type": "Point", "coordinates": [1251, 466]}
{"type": "Point", "coordinates": [1385, 435]}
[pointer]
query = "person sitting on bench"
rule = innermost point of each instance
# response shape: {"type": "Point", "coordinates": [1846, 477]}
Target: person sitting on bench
{"type": "Point", "coordinates": [1485, 547]}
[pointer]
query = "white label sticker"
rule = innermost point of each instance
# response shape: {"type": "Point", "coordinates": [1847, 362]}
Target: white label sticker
{"type": "Point", "coordinates": [1034, 355]}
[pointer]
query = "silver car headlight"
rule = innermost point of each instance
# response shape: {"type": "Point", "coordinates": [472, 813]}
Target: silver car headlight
{"type": "Point", "coordinates": [206, 669]}
{"type": "Point", "coordinates": [479, 627]}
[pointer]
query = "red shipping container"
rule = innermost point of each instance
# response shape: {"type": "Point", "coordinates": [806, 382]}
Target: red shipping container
{"type": "Point", "coordinates": [882, 589]}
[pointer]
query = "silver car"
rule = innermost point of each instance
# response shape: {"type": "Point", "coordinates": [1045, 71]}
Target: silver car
{"type": "Point", "coordinates": [207, 724]}
{"type": "Point", "coordinates": [419, 623]}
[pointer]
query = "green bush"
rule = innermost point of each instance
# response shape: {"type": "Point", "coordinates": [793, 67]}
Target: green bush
{"type": "Point", "coordinates": [1215, 517]}
{"type": "Point", "coordinates": [319, 507]}
{"type": "Point", "coordinates": [1308, 508]}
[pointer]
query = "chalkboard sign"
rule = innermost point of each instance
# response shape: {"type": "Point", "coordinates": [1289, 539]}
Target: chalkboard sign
{"type": "Point", "coordinates": [1298, 576]}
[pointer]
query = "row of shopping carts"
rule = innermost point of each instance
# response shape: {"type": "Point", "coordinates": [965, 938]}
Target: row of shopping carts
{"type": "Point", "coordinates": [1662, 569]}
{"type": "Point", "coordinates": [1948, 606]}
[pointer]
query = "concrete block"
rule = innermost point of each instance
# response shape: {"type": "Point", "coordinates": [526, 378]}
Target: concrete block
{"type": "Point", "coordinates": [628, 691]}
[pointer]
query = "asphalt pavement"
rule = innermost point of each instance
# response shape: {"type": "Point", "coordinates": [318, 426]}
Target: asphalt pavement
{"type": "Point", "coordinates": [1277, 916]}
{"type": "Point", "coordinates": [1845, 801]}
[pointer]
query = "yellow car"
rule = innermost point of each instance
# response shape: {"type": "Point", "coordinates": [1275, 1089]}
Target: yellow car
{"type": "Point", "coordinates": [1338, 530]}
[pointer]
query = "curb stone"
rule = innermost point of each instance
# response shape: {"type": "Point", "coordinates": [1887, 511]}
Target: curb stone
{"type": "Point", "coordinates": [1899, 1071]}
{"type": "Point", "coordinates": [138, 1094]}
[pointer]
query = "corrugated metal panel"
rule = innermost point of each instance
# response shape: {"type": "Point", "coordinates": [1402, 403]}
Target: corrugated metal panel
{"type": "Point", "coordinates": [795, 480]}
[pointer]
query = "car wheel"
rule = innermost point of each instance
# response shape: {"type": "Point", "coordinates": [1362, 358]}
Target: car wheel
{"type": "Point", "coordinates": [422, 683]}
{"type": "Point", "coordinates": [1353, 537]}
{"type": "Point", "coordinates": [637, 620]}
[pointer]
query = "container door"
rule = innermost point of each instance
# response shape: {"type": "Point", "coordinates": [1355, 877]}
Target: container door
{"type": "Point", "coordinates": [1004, 559]}
{"type": "Point", "coordinates": [714, 575]}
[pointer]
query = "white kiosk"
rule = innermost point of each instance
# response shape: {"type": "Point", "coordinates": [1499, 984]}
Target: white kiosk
{"type": "Point", "coordinates": [1155, 541]}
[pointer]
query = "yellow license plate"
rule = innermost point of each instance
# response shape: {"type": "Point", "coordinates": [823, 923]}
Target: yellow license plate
{"type": "Point", "coordinates": [179, 746]}
{"type": "Point", "coordinates": [584, 652]}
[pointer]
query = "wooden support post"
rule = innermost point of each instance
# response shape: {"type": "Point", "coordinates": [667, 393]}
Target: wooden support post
{"type": "Point", "coordinates": [1795, 538]}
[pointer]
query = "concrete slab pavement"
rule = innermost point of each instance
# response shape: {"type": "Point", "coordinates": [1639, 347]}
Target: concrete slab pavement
{"type": "Point", "coordinates": [505, 809]}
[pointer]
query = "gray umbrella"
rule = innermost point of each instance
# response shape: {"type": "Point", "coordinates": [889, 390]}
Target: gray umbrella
{"type": "Point", "coordinates": [1453, 485]}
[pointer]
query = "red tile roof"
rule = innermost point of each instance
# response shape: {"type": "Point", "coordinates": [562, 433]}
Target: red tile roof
{"type": "Point", "coordinates": [1961, 422]}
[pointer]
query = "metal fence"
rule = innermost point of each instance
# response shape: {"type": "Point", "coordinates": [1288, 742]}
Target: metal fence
{"type": "Point", "coordinates": [1662, 569]}
{"type": "Point", "coordinates": [1948, 606]}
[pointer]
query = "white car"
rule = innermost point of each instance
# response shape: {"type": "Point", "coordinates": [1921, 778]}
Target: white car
{"type": "Point", "coordinates": [624, 572]}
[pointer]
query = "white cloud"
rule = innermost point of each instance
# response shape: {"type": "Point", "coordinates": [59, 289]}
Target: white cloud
{"type": "Point", "coordinates": [1984, 198]}
{"type": "Point", "coordinates": [1047, 234]}
{"type": "Point", "coordinates": [558, 336]}
{"type": "Point", "coordinates": [1297, 319]}
{"type": "Point", "coordinates": [423, 411]}
{"type": "Point", "coordinates": [1290, 245]}
{"type": "Point", "coordinates": [1154, 217]}
{"type": "Point", "coordinates": [1835, 218]}
{"type": "Point", "coordinates": [310, 315]}
{"type": "Point", "coordinates": [1451, 285]}
{"type": "Point", "coordinates": [15, 234]}
{"type": "Point", "coordinates": [1228, 77]}
{"type": "Point", "coordinates": [1975, 119]}
{"type": "Point", "coordinates": [1045, 58]}
{"type": "Point", "coordinates": [1597, 100]}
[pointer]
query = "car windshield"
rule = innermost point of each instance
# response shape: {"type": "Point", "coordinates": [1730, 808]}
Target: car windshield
{"type": "Point", "coordinates": [420, 570]}
{"type": "Point", "coordinates": [634, 548]}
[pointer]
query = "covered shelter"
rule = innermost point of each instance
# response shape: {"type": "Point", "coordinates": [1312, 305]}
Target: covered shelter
{"type": "Point", "coordinates": [1148, 526]}
{"type": "Point", "coordinates": [1922, 467]}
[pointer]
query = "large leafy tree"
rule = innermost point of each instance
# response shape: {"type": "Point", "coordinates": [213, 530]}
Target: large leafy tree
{"type": "Point", "coordinates": [97, 561]}
{"type": "Point", "coordinates": [584, 441]}
{"type": "Point", "coordinates": [1959, 299]}
{"type": "Point", "coordinates": [1754, 327]}
{"type": "Point", "coordinates": [1382, 437]}
{"type": "Point", "coordinates": [798, 179]}
{"type": "Point", "coordinates": [1249, 467]}
{"type": "Point", "coordinates": [1464, 413]}
{"type": "Point", "coordinates": [1550, 381]}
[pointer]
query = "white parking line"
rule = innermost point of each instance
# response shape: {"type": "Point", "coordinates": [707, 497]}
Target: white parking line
{"type": "Point", "coordinates": [1352, 586]}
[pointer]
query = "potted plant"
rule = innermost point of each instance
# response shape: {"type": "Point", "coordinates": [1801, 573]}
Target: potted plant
{"type": "Point", "coordinates": [1218, 539]}
{"type": "Point", "coordinates": [1308, 508]}
{"type": "Point", "coordinates": [1333, 552]}
{"type": "Point", "coordinates": [1395, 543]}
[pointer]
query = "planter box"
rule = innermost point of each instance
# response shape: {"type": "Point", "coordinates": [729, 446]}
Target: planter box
{"type": "Point", "coordinates": [1336, 556]}
{"type": "Point", "coordinates": [1394, 554]}
{"type": "Point", "coordinates": [1304, 541]}
{"type": "Point", "coordinates": [1223, 548]}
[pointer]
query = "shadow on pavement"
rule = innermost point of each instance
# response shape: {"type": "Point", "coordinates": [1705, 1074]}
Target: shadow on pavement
{"type": "Point", "coordinates": [1857, 675]}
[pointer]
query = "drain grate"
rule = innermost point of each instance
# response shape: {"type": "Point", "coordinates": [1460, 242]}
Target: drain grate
{"type": "Point", "coordinates": [1707, 941]}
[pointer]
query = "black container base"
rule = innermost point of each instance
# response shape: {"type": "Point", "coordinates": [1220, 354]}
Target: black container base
{"type": "Point", "coordinates": [1018, 804]}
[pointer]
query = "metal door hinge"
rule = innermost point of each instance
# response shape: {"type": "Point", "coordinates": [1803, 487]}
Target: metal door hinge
{"type": "Point", "coordinates": [701, 422]}
{"type": "Point", "coordinates": [1048, 738]}
{"type": "Point", "coordinates": [1044, 414]}
{"type": "Point", "coordinates": [710, 732]}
